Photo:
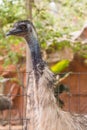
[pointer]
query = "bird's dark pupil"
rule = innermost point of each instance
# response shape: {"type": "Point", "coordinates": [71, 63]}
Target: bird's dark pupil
{"type": "Point", "coordinates": [23, 27]}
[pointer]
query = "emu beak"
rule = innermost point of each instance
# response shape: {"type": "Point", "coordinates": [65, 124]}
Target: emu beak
{"type": "Point", "coordinates": [8, 33]}
{"type": "Point", "coordinates": [13, 31]}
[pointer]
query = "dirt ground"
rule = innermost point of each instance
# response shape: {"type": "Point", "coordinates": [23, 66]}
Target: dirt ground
{"type": "Point", "coordinates": [7, 127]}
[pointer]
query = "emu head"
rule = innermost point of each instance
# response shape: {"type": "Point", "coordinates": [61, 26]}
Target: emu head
{"type": "Point", "coordinates": [22, 28]}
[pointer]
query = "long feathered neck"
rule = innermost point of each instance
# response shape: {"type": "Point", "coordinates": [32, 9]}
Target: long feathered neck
{"type": "Point", "coordinates": [33, 44]}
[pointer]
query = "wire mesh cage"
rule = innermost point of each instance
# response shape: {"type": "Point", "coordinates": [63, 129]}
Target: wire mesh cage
{"type": "Point", "coordinates": [13, 103]}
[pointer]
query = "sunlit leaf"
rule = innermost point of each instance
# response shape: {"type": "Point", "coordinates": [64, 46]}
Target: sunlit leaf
{"type": "Point", "coordinates": [60, 66]}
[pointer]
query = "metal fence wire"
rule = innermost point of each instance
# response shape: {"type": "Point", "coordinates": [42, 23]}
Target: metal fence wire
{"type": "Point", "coordinates": [13, 95]}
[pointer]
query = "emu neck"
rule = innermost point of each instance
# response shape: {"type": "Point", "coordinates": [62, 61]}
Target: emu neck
{"type": "Point", "coordinates": [33, 44]}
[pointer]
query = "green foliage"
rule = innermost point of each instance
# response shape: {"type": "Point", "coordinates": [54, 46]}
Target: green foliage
{"type": "Point", "coordinates": [13, 57]}
{"type": "Point", "coordinates": [10, 11]}
{"type": "Point", "coordinates": [60, 66]}
{"type": "Point", "coordinates": [70, 17]}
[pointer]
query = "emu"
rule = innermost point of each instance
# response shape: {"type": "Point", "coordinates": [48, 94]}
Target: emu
{"type": "Point", "coordinates": [42, 110]}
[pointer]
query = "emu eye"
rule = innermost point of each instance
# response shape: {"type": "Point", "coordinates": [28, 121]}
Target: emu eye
{"type": "Point", "coordinates": [23, 27]}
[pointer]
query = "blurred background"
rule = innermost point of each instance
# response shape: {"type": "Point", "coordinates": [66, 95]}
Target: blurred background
{"type": "Point", "coordinates": [59, 23]}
